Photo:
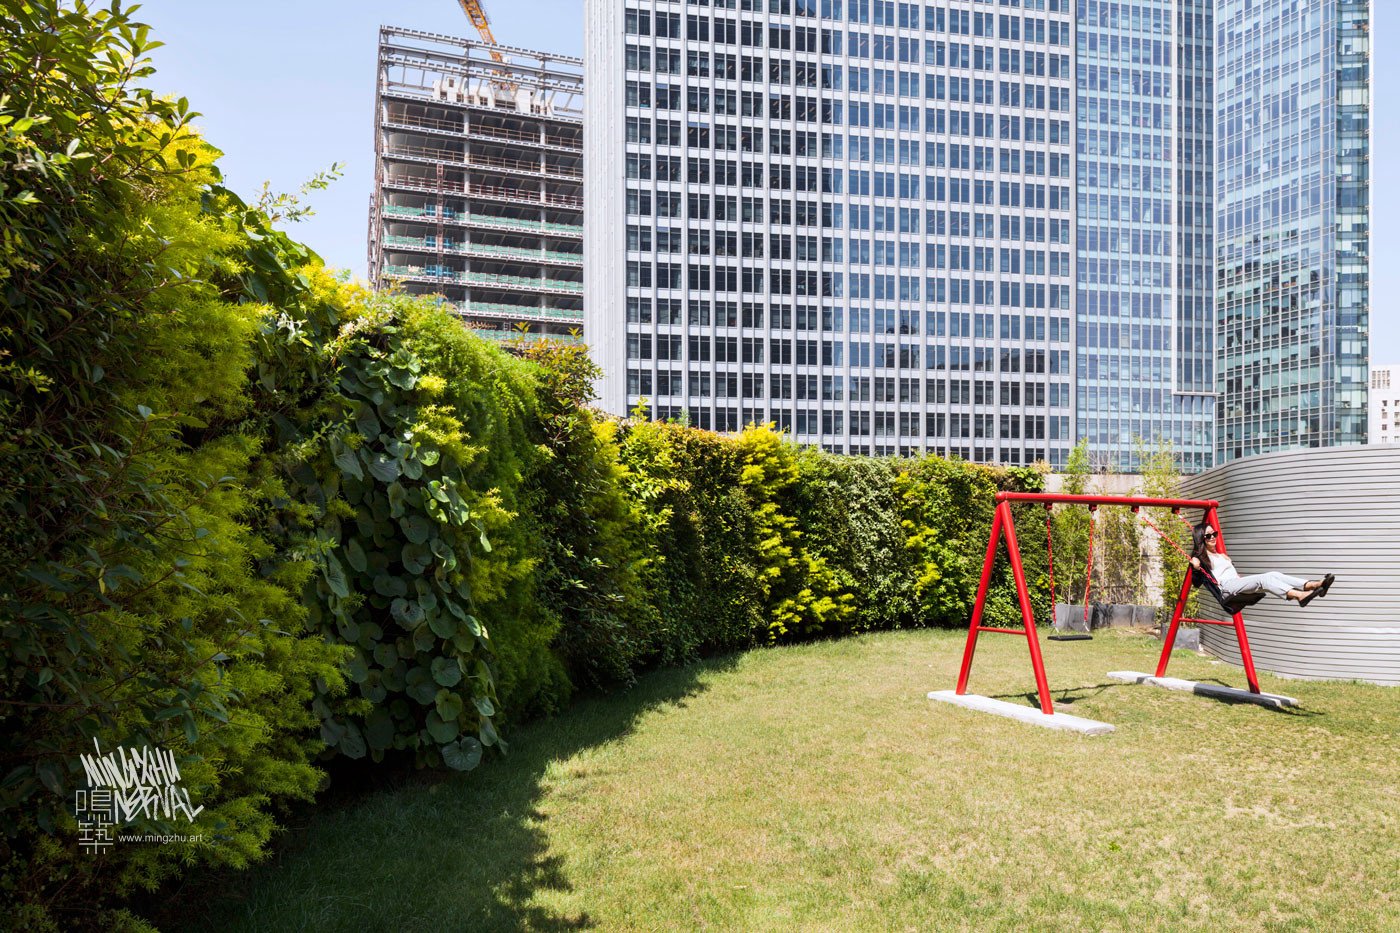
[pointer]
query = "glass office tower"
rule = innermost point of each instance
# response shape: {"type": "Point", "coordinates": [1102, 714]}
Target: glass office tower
{"type": "Point", "coordinates": [1144, 312]}
{"type": "Point", "coordinates": [984, 228]}
{"type": "Point", "coordinates": [1292, 191]}
{"type": "Point", "coordinates": [851, 217]}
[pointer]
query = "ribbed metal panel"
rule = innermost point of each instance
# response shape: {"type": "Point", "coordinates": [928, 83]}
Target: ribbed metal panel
{"type": "Point", "coordinates": [1308, 513]}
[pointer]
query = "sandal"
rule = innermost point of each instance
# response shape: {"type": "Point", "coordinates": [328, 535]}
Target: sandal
{"type": "Point", "coordinates": [1326, 585]}
{"type": "Point", "coordinates": [1311, 595]}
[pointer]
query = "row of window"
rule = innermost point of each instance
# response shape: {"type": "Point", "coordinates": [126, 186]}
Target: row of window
{"type": "Point", "coordinates": [751, 386]}
{"type": "Point", "coordinates": [855, 353]}
{"type": "Point", "coordinates": [700, 63]}
{"type": "Point", "coordinates": [936, 222]}
{"type": "Point", "coordinates": [864, 182]}
{"type": "Point", "coordinates": [862, 216]}
{"type": "Point", "coordinates": [668, 311]}
{"type": "Point", "coordinates": [725, 31]}
{"type": "Point", "coordinates": [809, 352]}
{"type": "Point", "coordinates": [858, 147]}
{"type": "Point", "coordinates": [860, 251]}
{"type": "Point", "coordinates": [785, 177]}
{"type": "Point", "coordinates": [882, 12]}
{"type": "Point", "coordinates": [885, 423]}
{"type": "Point", "coordinates": [909, 119]}
{"type": "Point", "coordinates": [860, 285]}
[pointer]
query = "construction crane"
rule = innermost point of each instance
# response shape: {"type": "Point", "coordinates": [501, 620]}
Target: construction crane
{"type": "Point", "coordinates": [477, 15]}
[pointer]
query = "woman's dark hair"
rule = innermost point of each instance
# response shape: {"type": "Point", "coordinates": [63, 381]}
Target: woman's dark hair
{"type": "Point", "coordinates": [1198, 545]}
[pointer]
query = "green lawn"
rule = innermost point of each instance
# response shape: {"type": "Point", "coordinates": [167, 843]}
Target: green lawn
{"type": "Point", "coordinates": [817, 788]}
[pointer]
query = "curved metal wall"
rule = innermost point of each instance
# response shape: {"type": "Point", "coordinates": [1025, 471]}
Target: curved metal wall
{"type": "Point", "coordinates": [1310, 512]}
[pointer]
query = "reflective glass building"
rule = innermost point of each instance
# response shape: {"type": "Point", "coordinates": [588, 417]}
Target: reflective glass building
{"type": "Point", "coordinates": [983, 228]}
{"type": "Point", "coordinates": [850, 217]}
{"type": "Point", "coordinates": [1144, 310]}
{"type": "Point", "coordinates": [1292, 119]}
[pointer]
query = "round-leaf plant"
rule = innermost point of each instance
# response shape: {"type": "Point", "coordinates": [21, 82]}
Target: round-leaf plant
{"type": "Point", "coordinates": [399, 524]}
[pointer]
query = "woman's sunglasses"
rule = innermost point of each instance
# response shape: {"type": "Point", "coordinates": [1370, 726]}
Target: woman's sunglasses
{"type": "Point", "coordinates": [1208, 535]}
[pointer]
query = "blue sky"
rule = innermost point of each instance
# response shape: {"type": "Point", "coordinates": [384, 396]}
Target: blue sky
{"type": "Point", "coordinates": [286, 88]}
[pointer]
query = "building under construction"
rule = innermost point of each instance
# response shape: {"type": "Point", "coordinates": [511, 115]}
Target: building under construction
{"type": "Point", "coordinates": [478, 185]}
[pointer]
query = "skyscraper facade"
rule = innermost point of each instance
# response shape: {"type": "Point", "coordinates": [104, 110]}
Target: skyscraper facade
{"type": "Point", "coordinates": [1143, 307]}
{"type": "Point", "coordinates": [851, 218]}
{"type": "Point", "coordinates": [1292, 212]}
{"type": "Point", "coordinates": [983, 228]}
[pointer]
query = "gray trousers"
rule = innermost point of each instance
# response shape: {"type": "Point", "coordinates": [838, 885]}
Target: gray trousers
{"type": "Point", "coordinates": [1273, 583]}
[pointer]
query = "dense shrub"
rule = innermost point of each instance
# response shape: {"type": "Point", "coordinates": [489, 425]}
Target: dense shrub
{"type": "Point", "coordinates": [141, 601]}
{"type": "Point", "coordinates": [402, 507]}
{"type": "Point", "coordinates": [591, 538]}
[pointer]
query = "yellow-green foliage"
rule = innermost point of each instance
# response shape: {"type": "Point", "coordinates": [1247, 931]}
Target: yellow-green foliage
{"type": "Point", "coordinates": [144, 597]}
{"type": "Point", "coordinates": [798, 593]}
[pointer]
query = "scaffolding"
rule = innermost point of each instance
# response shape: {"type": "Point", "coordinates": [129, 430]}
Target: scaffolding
{"type": "Point", "coordinates": [478, 191]}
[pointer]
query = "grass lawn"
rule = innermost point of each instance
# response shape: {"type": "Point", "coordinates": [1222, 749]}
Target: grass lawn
{"type": "Point", "coordinates": [816, 787]}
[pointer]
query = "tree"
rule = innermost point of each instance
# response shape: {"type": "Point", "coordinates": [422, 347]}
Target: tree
{"type": "Point", "coordinates": [1071, 528]}
{"type": "Point", "coordinates": [1161, 478]}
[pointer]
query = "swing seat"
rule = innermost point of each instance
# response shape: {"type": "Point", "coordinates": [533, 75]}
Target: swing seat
{"type": "Point", "coordinates": [1231, 605]}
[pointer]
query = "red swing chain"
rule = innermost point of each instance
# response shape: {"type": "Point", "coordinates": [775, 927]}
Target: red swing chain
{"type": "Point", "coordinates": [1089, 569]}
{"type": "Point", "coordinates": [1163, 535]}
{"type": "Point", "coordinates": [1050, 551]}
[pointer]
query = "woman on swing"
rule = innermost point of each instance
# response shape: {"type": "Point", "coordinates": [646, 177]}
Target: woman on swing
{"type": "Point", "coordinates": [1206, 558]}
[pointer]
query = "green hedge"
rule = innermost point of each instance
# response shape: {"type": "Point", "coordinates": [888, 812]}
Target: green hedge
{"type": "Point", "coordinates": [258, 517]}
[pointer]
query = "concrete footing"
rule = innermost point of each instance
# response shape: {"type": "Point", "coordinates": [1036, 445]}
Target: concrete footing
{"type": "Point", "coordinates": [1274, 700]}
{"type": "Point", "coordinates": [1035, 717]}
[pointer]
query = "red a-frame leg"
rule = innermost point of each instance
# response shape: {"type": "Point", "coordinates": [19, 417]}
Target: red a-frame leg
{"type": "Point", "coordinates": [1175, 624]}
{"type": "Point", "coordinates": [1003, 524]}
{"type": "Point", "coordinates": [975, 625]}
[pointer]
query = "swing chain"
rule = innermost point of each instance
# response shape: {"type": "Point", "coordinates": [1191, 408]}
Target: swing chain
{"type": "Point", "coordinates": [1050, 552]}
{"type": "Point", "coordinates": [1089, 568]}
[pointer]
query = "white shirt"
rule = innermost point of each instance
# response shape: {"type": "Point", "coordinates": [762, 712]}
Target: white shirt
{"type": "Point", "coordinates": [1223, 569]}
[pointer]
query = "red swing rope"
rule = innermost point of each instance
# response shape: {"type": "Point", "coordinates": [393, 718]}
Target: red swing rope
{"type": "Point", "coordinates": [1163, 535]}
{"type": "Point", "coordinates": [1050, 551]}
{"type": "Point", "coordinates": [1089, 569]}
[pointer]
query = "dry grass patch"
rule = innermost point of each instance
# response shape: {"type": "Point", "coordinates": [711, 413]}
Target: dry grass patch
{"type": "Point", "coordinates": [816, 787]}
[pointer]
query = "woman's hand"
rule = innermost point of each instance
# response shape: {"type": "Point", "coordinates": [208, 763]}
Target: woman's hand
{"type": "Point", "coordinates": [1196, 562]}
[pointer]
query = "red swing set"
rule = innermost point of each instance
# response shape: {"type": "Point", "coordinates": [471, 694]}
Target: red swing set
{"type": "Point", "coordinates": [1004, 526]}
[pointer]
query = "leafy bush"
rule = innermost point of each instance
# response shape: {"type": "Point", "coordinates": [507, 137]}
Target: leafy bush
{"type": "Point", "coordinates": [397, 515]}
{"type": "Point", "coordinates": [849, 510]}
{"type": "Point", "coordinates": [797, 592]}
{"type": "Point", "coordinates": [590, 544]}
{"type": "Point", "coordinates": [141, 601]}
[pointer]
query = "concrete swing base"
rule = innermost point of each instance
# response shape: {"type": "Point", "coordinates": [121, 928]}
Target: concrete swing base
{"type": "Point", "coordinates": [1274, 700]}
{"type": "Point", "coordinates": [1062, 721]}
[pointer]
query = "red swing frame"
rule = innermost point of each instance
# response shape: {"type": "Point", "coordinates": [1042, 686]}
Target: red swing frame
{"type": "Point", "coordinates": [1004, 525]}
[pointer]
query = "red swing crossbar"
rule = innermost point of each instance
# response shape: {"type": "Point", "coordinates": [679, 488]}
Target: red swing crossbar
{"type": "Point", "coordinates": [1004, 526]}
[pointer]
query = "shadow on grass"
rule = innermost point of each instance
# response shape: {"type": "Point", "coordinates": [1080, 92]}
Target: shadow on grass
{"type": "Point", "coordinates": [1070, 696]}
{"type": "Point", "coordinates": [1235, 701]}
{"type": "Point", "coordinates": [462, 852]}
